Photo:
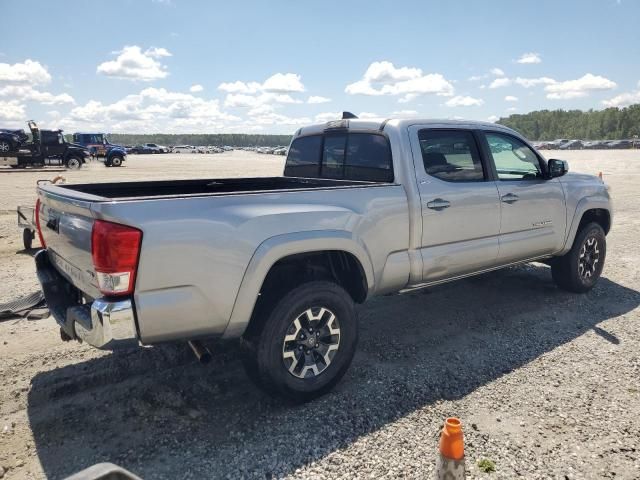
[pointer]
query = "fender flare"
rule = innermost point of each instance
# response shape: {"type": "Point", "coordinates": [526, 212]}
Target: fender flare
{"type": "Point", "coordinates": [587, 203]}
{"type": "Point", "coordinates": [278, 247]}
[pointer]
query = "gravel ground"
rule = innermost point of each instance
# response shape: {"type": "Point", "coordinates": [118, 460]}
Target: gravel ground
{"type": "Point", "coordinates": [545, 382]}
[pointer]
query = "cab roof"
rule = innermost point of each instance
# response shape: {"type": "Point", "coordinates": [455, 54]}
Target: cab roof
{"type": "Point", "coordinates": [397, 123]}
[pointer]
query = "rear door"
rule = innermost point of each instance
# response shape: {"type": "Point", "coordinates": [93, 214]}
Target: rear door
{"type": "Point", "coordinates": [533, 207]}
{"type": "Point", "coordinates": [460, 205]}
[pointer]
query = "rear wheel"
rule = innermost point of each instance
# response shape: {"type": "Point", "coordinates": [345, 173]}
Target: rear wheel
{"type": "Point", "coordinates": [579, 269]}
{"type": "Point", "coordinates": [303, 346]}
{"type": "Point", "coordinates": [74, 163]}
{"type": "Point", "coordinates": [5, 146]}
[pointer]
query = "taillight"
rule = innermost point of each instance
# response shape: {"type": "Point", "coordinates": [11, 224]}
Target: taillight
{"type": "Point", "coordinates": [38, 224]}
{"type": "Point", "coordinates": [115, 249]}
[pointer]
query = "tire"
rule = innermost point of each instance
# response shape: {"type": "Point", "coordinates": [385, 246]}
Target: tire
{"type": "Point", "coordinates": [73, 163]}
{"type": "Point", "coordinates": [27, 238]}
{"type": "Point", "coordinates": [275, 364]}
{"type": "Point", "coordinates": [579, 269]}
{"type": "Point", "coordinates": [116, 162]}
{"type": "Point", "coordinates": [5, 146]}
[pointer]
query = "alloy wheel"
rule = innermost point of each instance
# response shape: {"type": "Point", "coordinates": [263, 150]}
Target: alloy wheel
{"type": "Point", "coordinates": [311, 342]}
{"type": "Point", "coordinates": [588, 259]}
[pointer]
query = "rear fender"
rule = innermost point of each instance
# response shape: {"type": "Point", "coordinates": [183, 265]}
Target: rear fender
{"type": "Point", "coordinates": [278, 247]}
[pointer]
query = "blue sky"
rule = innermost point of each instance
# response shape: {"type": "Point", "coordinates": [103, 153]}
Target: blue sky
{"type": "Point", "coordinates": [269, 66]}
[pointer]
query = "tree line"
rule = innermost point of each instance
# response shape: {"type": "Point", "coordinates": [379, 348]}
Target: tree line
{"type": "Point", "coordinates": [217, 139]}
{"type": "Point", "coordinates": [607, 124]}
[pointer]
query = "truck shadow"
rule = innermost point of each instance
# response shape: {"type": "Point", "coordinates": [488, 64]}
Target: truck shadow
{"type": "Point", "coordinates": [159, 414]}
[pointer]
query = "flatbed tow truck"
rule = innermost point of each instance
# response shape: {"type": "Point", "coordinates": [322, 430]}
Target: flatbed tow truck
{"type": "Point", "coordinates": [47, 147]}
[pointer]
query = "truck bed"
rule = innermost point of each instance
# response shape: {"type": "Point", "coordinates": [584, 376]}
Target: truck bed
{"type": "Point", "coordinates": [218, 186]}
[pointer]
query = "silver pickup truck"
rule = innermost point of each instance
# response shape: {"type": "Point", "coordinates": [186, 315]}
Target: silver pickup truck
{"type": "Point", "coordinates": [363, 208]}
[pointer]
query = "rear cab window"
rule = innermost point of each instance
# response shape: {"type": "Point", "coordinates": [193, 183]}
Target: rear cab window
{"type": "Point", "coordinates": [360, 156]}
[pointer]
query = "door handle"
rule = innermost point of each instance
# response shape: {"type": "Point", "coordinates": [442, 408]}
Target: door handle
{"type": "Point", "coordinates": [509, 198]}
{"type": "Point", "coordinates": [438, 204]}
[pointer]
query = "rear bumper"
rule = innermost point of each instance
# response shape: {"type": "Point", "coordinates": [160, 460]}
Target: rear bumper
{"type": "Point", "coordinates": [105, 324]}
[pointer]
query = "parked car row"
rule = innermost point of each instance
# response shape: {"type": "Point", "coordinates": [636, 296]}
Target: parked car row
{"type": "Point", "coordinates": [281, 150]}
{"type": "Point", "coordinates": [152, 148]}
{"type": "Point", "coordinates": [566, 144]}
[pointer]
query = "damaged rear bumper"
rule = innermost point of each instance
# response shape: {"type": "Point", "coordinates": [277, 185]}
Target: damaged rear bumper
{"type": "Point", "coordinates": [104, 323]}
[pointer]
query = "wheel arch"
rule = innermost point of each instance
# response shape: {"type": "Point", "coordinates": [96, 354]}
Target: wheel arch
{"type": "Point", "coordinates": [334, 255]}
{"type": "Point", "coordinates": [589, 209]}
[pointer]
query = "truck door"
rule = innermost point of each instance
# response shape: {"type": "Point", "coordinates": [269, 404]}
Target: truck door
{"type": "Point", "coordinates": [533, 207]}
{"type": "Point", "coordinates": [460, 204]}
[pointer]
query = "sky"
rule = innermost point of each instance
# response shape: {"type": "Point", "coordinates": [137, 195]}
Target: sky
{"type": "Point", "coordinates": [180, 66]}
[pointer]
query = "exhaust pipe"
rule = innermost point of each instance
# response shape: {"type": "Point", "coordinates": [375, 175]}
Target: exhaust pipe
{"type": "Point", "coordinates": [201, 352]}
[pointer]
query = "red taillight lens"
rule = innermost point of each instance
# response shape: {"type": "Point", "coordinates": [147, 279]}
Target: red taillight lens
{"type": "Point", "coordinates": [38, 224]}
{"type": "Point", "coordinates": [115, 249]}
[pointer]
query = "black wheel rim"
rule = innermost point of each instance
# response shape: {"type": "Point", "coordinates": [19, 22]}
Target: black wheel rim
{"type": "Point", "coordinates": [311, 342]}
{"type": "Point", "coordinates": [589, 259]}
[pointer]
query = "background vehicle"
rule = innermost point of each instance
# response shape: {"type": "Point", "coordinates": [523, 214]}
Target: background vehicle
{"type": "Point", "coordinates": [183, 149]}
{"type": "Point", "coordinates": [140, 149]}
{"type": "Point", "coordinates": [11, 140]}
{"type": "Point", "coordinates": [281, 261]}
{"type": "Point", "coordinates": [46, 147]}
{"type": "Point", "coordinates": [156, 148]}
{"type": "Point", "coordinates": [114, 155]}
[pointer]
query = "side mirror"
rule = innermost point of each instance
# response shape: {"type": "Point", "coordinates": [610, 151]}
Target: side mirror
{"type": "Point", "coordinates": [557, 168]}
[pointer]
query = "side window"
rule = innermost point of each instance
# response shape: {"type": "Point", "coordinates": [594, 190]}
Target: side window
{"type": "Point", "coordinates": [303, 159]}
{"type": "Point", "coordinates": [513, 159]}
{"type": "Point", "coordinates": [333, 156]}
{"type": "Point", "coordinates": [451, 155]}
{"type": "Point", "coordinates": [368, 158]}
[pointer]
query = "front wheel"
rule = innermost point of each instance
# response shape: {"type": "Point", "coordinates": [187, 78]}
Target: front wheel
{"type": "Point", "coordinates": [116, 161]}
{"type": "Point", "coordinates": [74, 163]}
{"type": "Point", "coordinates": [579, 269]}
{"type": "Point", "coordinates": [305, 343]}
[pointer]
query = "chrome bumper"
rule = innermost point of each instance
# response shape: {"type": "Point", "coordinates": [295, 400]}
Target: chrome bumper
{"type": "Point", "coordinates": [109, 325]}
{"type": "Point", "coordinates": [105, 324]}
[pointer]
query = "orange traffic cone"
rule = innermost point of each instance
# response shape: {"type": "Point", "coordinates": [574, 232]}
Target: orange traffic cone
{"type": "Point", "coordinates": [450, 462]}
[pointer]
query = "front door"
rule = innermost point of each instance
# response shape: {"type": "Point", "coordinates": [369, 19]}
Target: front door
{"type": "Point", "coordinates": [460, 205]}
{"type": "Point", "coordinates": [533, 206]}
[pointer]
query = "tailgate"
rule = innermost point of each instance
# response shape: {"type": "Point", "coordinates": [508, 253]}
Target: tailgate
{"type": "Point", "coordinates": [66, 223]}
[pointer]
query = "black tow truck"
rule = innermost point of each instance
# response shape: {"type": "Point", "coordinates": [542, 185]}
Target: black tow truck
{"type": "Point", "coordinates": [47, 147]}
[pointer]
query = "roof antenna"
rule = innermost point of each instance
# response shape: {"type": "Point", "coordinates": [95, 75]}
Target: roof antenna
{"type": "Point", "coordinates": [348, 115]}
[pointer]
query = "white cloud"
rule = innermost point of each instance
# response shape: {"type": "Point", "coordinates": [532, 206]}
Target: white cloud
{"type": "Point", "coordinates": [277, 83]}
{"type": "Point", "coordinates": [327, 116]}
{"type": "Point", "coordinates": [252, 101]}
{"type": "Point", "coordinates": [28, 93]}
{"type": "Point", "coordinates": [500, 82]}
{"type": "Point", "coordinates": [29, 72]}
{"type": "Point", "coordinates": [134, 64]}
{"type": "Point", "coordinates": [493, 118]}
{"type": "Point", "coordinates": [12, 110]}
{"type": "Point", "coordinates": [405, 113]}
{"type": "Point", "coordinates": [196, 88]}
{"type": "Point", "coordinates": [460, 101]}
{"type": "Point", "coordinates": [529, 57]}
{"type": "Point", "coordinates": [510, 98]}
{"type": "Point", "coordinates": [383, 78]}
{"type": "Point", "coordinates": [497, 72]}
{"type": "Point", "coordinates": [283, 83]}
{"type": "Point", "coordinates": [317, 99]}
{"type": "Point", "coordinates": [532, 82]}
{"type": "Point", "coordinates": [512, 109]}
{"type": "Point", "coordinates": [580, 87]}
{"type": "Point", "coordinates": [153, 110]}
{"type": "Point", "coordinates": [623, 100]}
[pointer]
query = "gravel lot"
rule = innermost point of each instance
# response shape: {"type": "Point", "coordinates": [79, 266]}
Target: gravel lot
{"type": "Point", "coordinates": [545, 382]}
